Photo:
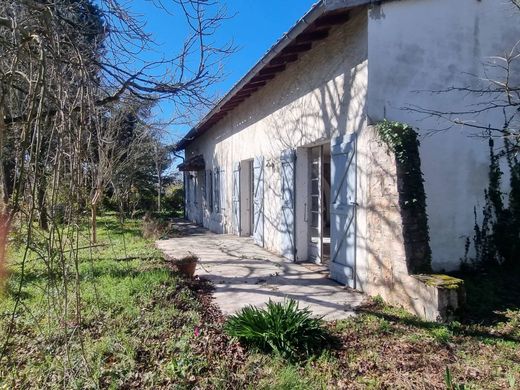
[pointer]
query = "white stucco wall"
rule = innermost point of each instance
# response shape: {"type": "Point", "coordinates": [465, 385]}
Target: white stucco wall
{"type": "Point", "coordinates": [419, 46]}
{"type": "Point", "coordinates": [320, 96]}
{"type": "Point", "coordinates": [383, 62]}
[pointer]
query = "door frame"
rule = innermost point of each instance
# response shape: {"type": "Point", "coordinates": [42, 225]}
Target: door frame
{"type": "Point", "coordinates": [246, 198]}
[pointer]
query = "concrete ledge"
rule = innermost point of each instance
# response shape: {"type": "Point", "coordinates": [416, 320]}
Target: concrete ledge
{"type": "Point", "coordinates": [437, 296]}
{"type": "Point", "coordinates": [431, 297]}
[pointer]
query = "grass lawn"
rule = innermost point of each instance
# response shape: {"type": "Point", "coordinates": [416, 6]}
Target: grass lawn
{"type": "Point", "coordinates": [142, 326]}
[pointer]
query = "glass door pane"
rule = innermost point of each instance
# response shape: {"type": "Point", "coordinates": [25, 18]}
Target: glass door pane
{"type": "Point", "coordinates": [315, 203]}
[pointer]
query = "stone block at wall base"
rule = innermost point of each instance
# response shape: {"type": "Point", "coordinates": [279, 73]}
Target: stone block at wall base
{"type": "Point", "coordinates": [431, 297]}
{"type": "Point", "coordinates": [437, 297]}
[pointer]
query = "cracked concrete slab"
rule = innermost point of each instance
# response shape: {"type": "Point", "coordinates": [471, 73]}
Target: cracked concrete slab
{"type": "Point", "coordinates": [246, 274]}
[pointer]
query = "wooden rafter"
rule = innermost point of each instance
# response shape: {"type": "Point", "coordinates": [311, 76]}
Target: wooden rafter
{"type": "Point", "coordinates": [317, 31]}
{"type": "Point", "coordinates": [272, 69]}
{"type": "Point", "coordinates": [312, 36]}
{"type": "Point", "coordinates": [284, 59]}
{"type": "Point", "coordinates": [331, 20]}
{"type": "Point", "coordinates": [297, 48]}
{"type": "Point", "coordinates": [264, 77]}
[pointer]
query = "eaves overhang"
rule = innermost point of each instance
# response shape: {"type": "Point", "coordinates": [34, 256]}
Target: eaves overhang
{"type": "Point", "coordinates": [312, 27]}
{"type": "Point", "coordinates": [195, 163]}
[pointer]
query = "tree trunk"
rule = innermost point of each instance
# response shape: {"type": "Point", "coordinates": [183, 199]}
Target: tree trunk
{"type": "Point", "coordinates": [42, 204]}
{"type": "Point", "coordinates": [3, 180]}
{"type": "Point", "coordinates": [93, 222]}
{"type": "Point", "coordinates": [3, 190]}
{"type": "Point", "coordinates": [5, 219]}
{"type": "Point", "coordinates": [93, 213]}
{"type": "Point", "coordinates": [159, 192]}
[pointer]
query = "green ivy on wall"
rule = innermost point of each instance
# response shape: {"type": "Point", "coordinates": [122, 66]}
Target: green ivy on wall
{"type": "Point", "coordinates": [402, 140]}
{"type": "Point", "coordinates": [398, 136]}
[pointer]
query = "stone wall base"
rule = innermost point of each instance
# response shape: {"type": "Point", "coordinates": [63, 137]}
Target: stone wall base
{"type": "Point", "coordinates": [431, 297]}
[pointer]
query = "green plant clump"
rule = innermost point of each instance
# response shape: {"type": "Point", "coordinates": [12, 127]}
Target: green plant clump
{"type": "Point", "coordinates": [450, 384]}
{"type": "Point", "coordinates": [497, 237]}
{"type": "Point", "coordinates": [283, 328]}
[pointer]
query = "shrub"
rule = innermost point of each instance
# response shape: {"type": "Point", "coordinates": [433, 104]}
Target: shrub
{"type": "Point", "coordinates": [173, 199]}
{"type": "Point", "coordinates": [283, 328]}
{"type": "Point", "coordinates": [155, 228]}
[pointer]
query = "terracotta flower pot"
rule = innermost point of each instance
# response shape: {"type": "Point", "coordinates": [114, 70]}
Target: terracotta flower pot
{"type": "Point", "coordinates": [187, 268]}
{"type": "Point", "coordinates": [186, 265]}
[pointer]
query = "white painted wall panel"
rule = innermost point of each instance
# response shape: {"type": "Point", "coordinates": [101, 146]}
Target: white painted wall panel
{"type": "Point", "coordinates": [416, 47]}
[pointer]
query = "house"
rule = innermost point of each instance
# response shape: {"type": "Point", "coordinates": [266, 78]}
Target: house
{"type": "Point", "coordinates": [291, 155]}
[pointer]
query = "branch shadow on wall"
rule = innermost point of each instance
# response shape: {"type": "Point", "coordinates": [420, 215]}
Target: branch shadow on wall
{"type": "Point", "coordinates": [292, 111]}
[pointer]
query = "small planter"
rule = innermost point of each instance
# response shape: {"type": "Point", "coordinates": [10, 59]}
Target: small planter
{"type": "Point", "coordinates": [187, 265]}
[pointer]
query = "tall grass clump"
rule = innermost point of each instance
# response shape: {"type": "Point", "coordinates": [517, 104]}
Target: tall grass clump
{"type": "Point", "coordinates": [282, 328]}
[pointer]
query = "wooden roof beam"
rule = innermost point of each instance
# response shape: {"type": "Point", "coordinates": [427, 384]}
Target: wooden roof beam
{"type": "Point", "coordinates": [230, 105]}
{"type": "Point", "coordinates": [272, 69]}
{"type": "Point", "coordinates": [251, 85]}
{"type": "Point", "coordinates": [233, 103]}
{"type": "Point", "coordinates": [312, 36]}
{"type": "Point", "coordinates": [283, 59]}
{"type": "Point", "coordinates": [247, 89]}
{"type": "Point", "coordinates": [331, 20]}
{"type": "Point", "coordinates": [244, 94]}
{"type": "Point", "coordinates": [297, 48]}
{"type": "Point", "coordinates": [264, 77]}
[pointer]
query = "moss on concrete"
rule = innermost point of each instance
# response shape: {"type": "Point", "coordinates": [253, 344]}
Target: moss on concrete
{"type": "Point", "coordinates": [441, 281]}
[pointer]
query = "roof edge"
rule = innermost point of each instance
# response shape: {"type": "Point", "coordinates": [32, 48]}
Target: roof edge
{"type": "Point", "coordinates": [317, 10]}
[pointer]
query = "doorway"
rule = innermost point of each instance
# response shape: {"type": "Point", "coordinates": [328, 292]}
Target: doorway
{"type": "Point", "coordinates": [246, 198]}
{"type": "Point", "coordinates": [319, 204]}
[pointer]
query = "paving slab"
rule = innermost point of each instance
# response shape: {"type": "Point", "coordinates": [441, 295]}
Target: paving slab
{"type": "Point", "coordinates": [245, 274]}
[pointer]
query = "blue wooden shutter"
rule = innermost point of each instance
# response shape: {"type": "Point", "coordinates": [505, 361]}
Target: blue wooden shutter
{"type": "Point", "coordinates": [236, 198]}
{"type": "Point", "coordinates": [258, 200]}
{"type": "Point", "coordinates": [195, 185]}
{"type": "Point", "coordinates": [189, 199]}
{"type": "Point", "coordinates": [288, 246]}
{"type": "Point", "coordinates": [343, 209]}
{"type": "Point", "coordinates": [222, 190]}
{"type": "Point", "coordinates": [209, 190]}
{"type": "Point", "coordinates": [216, 190]}
{"type": "Point", "coordinates": [203, 189]}
{"type": "Point", "coordinates": [186, 193]}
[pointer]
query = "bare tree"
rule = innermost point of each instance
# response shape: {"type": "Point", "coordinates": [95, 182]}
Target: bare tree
{"type": "Point", "coordinates": [64, 67]}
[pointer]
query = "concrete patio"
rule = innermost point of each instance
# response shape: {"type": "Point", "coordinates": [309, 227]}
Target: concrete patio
{"type": "Point", "coordinates": [245, 274]}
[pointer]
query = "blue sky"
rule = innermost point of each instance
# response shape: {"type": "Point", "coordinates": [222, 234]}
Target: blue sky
{"type": "Point", "coordinates": [254, 28]}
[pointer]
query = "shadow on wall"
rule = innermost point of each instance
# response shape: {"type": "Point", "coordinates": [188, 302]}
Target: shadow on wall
{"type": "Point", "coordinates": [292, 107]}
{"type": "Point", "coordinates": [300, 109]}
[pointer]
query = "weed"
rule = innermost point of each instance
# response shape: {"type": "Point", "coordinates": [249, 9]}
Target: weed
{"type": "Point", "coordinates": [378, 300]}
{"type": "Point", "coordinates": [441, 334]}
{"type": "Point", "coordinates": [384, 326]}
{"type": "Point", "coordinates": [450, 384]}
